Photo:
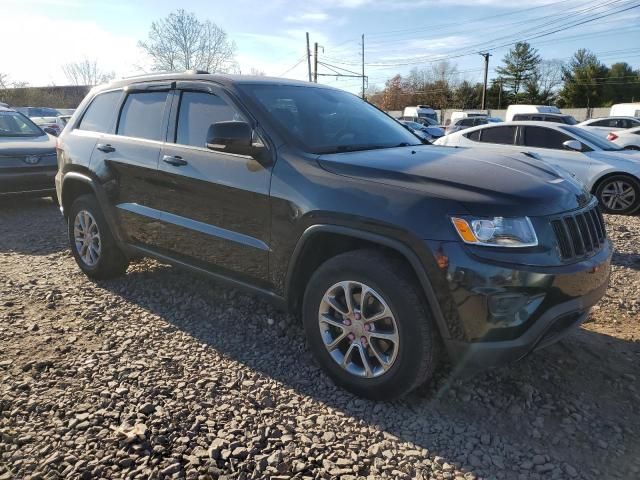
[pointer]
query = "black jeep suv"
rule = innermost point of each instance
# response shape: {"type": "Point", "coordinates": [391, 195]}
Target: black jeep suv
{"type": "Point", "coordinates": [395, 254]}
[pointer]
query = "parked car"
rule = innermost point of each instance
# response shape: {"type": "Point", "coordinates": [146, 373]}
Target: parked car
{"type": "Point", "coordinates": [430, 134]}
{"type": "Point", "coordinates": [462, 123]}
{"type": "Point", "coordinates": [609, 172]}
{"type": "Point", "coordinates": [27, 157]}
{"type": "Point", "coordinates": [458, 115]}
{"type": "Point", "coordinates": [602, 126]}
{"type": "Point", "coordinates": [44, 117]}
{"type": "Point", "coordinates": [625, 110]}
{"type": "Point", "coordinates": [327, 206]}
{"type": "Point", "coordinates": [420, 111]}
{"type": "Point", "coordinates": [628, 139]}
{"type": "Point", "coordinates": [524, 109]}
{"type": "Point", "coordinates": [546, 117]}
{"type": "Point", "coordinates": [66, 111]}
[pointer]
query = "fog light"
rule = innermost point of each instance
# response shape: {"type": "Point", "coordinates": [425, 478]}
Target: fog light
{"type": "Point", "coordinates": [511, 309]}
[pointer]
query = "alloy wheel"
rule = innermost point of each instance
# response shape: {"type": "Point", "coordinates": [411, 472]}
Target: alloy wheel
{"type": "Point", "coordinates": [358, 329]}
{"type": "Point", "coordinates": [87, 238]}
{"type": "Point", "coordinates": [618, 195]}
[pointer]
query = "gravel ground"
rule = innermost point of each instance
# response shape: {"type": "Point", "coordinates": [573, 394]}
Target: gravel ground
{"type": "Point", "coordinates": [163, 374]}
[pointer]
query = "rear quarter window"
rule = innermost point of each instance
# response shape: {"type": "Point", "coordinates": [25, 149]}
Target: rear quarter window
{"type": "Point", "coordinates": [503, 135]}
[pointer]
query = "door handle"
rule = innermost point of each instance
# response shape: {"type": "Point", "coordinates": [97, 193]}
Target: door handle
{"type": "Point", "coordinates": [105, 147]}
{"type": "Point", "coordinates": [176, 160]}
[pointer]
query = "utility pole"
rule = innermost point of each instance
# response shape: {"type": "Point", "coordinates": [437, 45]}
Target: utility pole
{"type": "Point", "coordinates": [315, 62]}
{"type": "Point", "coordinates": [363, 77]}
{"type": "Point", "coordinates": [308, 57]}
{"type": "Point", "coordinates": [486, 56]}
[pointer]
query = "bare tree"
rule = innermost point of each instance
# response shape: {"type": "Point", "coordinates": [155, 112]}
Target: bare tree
{"type": "Point", "coordinates": [4, 80]}
{"type": "Point", "coordinates": [86, 72]}
{"type": "Point", "coordinates": [182, 42]}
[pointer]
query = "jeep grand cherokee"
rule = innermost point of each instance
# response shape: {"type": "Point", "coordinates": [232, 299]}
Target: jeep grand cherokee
{"type": "Point", "coordinates": [393, 253]}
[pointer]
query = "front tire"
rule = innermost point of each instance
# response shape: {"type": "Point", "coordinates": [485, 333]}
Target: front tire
{"type": "Point", "coordinates": [619, 194]}
{"type": "Point", "coordinates": [92, 243]}
{"type": "Point", "coordinates": [368, 325]}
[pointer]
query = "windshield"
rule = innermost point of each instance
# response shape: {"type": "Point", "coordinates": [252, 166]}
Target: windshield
{"type": "Point", "coordinates": [430, 116]}
{"type": "Point", "coordinates": [42, 112]}
{"type": "Point", "coordinates": [595, 140]}
{"type": "Point", "coordinates": [569, 120]}
{"type": "Point", "coordinates": [14, 124]}
{"type": "Point", "coordinates": [414, 125]}
{"type": "Point", "coordinates": [323, 120]}
{"type": "Point", "coordinates": [429, 120]}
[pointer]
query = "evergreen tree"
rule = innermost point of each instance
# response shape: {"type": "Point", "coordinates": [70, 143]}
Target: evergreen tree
{"type": "Point", "coordinates": [584, 80]}
{"type": "Point", "coordinates": [520, 64]}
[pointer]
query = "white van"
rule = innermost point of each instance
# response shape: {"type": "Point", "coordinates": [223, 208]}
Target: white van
{"type": "Point", "coordinates": [625, 110]}
{"type": "Point", "coordinates": [420, 111]}
{"type": "Point", "coordinates": [516, 109]}
{"type": "Point", "coordinates": [459, 115]}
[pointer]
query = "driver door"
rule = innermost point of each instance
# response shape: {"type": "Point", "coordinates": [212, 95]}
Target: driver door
{"type": "Point", "coordinates": [215, 205]}
{"type": "Point", "coordinates": [547, 144]}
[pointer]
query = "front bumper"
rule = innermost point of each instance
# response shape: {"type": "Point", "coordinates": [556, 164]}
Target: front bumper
{"type": "Point", "coordinates": [29, 181]}
{"type": "Point", "coordinates": [561, 297]}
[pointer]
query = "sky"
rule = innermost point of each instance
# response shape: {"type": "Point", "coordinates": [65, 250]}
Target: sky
{"type": "Point", "coordinates": [42, 35]}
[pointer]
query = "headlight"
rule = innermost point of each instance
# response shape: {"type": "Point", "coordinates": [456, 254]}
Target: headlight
{"type": "Point", "coordinates": [496, 231]}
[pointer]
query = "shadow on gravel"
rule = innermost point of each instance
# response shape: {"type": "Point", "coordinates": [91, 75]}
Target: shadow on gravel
{"type": "Point", "coordinates": [32, 226]}
{"type": "Point", "coordinates": [566, 401]}
{"type": "Point", "coordinates": [629, 260]}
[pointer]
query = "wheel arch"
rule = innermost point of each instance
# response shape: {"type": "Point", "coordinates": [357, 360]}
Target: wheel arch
{"type": "Point", "coordinates": [75, 184]}
{"type": "Point", "coordinates": [598, 181]}
{"type": "Point", "coordinates": [335, 239]}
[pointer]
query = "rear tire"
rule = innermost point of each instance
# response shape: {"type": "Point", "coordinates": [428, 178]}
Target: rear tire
{"type": "Point", "coordinates": [387, 357]}
{"type": "Point", "coordinates": [92, 242]}
{"type": "Point", "coordinates": [619, 194]}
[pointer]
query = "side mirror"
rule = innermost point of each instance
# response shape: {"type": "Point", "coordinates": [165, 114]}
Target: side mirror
{"type": "Point", "coordinates": [50, 131]}
{"type": "Point", "coordinates": [574, 145]}
{"type": "Point", "coordinates": [231, 137]}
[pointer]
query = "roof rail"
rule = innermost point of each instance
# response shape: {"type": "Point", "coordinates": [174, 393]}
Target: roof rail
{"type": "Point", "coordinates": [195, 71]}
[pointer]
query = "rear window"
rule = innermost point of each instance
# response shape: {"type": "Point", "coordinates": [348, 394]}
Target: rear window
{"type": "Point", "coordinates": [99, 116]}
{"type": "Point", "coordinates": [142, 115]}
{"type": "Point", "coordinates": [475, 135]}
{"type": "Point", "coordinates": [502, 135]}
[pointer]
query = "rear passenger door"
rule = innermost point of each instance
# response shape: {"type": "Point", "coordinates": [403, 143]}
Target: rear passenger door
{"type": "Point", "coordinates": [215, 205]}
{"type": "Point", "coordinates": [129, 156]}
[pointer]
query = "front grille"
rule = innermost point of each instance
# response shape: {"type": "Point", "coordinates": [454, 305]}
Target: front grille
{"type": "Point", "coordinates": [579, 234]}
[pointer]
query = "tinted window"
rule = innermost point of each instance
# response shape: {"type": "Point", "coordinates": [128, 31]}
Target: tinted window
{"type": "Point", "coordinates": [142, 114]}
{"type": "Point", "coordinates": [99, 116]}
{"type": "Point", "coordinates": [480, 121]}
{"type": "Point", "coordinates": [540, 137]}
{"type": "Point", "coordinates": [524, 117]}
{"type": "Point", "coordinates": [475, 136]}
{"type": "Point", "coordinates": [197, 112]}
{"type": "Point", "coordinates": [14, 124]}
{"type": "Point", "coordinates": [502, 135]}
{"type": "Point", "coordinates": [610, 122]}
{"type": "Point", "coordinates": [555, 119]}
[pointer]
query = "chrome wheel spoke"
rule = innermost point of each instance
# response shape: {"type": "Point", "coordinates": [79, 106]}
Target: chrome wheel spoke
{"type": "Point", "coordinates": [348, 299]}
{"type": "Point", "coordinates": [384, 362]}
{"type": "Point", "coordinates": [324, 318]}
{"type": "Point", "coordinates": [365, 360]}
{"type": "Point", "coordinates": [389, 337]}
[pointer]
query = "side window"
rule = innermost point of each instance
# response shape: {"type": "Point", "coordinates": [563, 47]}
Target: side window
{"type": "Point", "coordinates": [537, 118]}
{"type": "Point", "coordinates": [99, 115]}
{"type": "Point", "coordinates": [142, 115]}
{"type": "Point", "coordinates": [197, 112]}
{"type": "Point", "coordinates": [555, 119]}
{"type": "Point", "coordinates": [475, 136]}
{"type": "Point", "coordinates": [502, 135]}
{"type": "Point", "coordinates": [539, 137]}
{"type": "Point", "coordinates": [466, 122]}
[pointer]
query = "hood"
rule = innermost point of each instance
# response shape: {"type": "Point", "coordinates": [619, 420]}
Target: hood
{"type": "Point", "coordinates": [434, 131]}
{"type": "Point", "coordinates": [16, 146]}
{"type": "Point", "coordinates": [484, 182]}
